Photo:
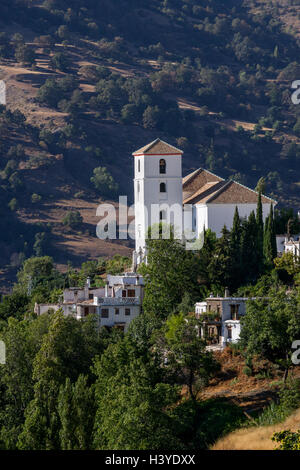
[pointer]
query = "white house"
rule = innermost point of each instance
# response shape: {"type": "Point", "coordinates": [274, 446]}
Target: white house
{"type": "Point", "coordinates": [292, 245]}
{"type": "Point", "coordinates": [117, 304]}
{"type": "Point", "coordinates": [221, 318]}
{"type": "Point", "coordinates": [199, 200]}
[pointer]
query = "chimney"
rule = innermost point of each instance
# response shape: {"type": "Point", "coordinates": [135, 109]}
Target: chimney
{"type": "Point", "coordinates": [227, 293]}
{"type": "Point", "coordinates": [88, 282]}
{"type": "Point", "coordinates": [106, 288]}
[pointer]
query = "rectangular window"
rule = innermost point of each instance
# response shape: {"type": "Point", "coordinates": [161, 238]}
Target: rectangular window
{"type": "Point", "coordinates": [131, 293]}
{"type": "Point", "coordinates": [117, 311]}
{"type": "Point", "coordinates": [91, 296]}
{"type": "Point", "coordinates": [234, 310]}
{"type": "Point", "coordinates": [127, 311]}
{"type": "Point", "coordinates": [124, 293]}
{"type": "Point", "coordinates": [104, 312]}
{"type": "Point", "coordinates": [229, 335]}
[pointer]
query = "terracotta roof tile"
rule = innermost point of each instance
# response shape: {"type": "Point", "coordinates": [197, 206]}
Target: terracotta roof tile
{"type": "Point", "coordinates": [158, 147]}
{"type": "Point", "coordinates": [204, 193]}
{"type": "Point", "coordinates": [193, 182]}
{"type": "Point", "coordinates": [202, 186]}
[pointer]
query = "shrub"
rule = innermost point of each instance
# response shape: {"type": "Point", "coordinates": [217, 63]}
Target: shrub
{"type": "Point", "coordinates": [72, 219]}
{"type": "Point", "coordinates": [104, 182]}
{"type": "Point", "coordinates": [13, 204]}
{"type": "Point", "coordinates": [35, 198]}
{"type": "Point", "coordinates": [247, 371]}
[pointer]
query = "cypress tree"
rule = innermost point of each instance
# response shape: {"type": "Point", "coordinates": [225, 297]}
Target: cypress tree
{"type": "Point", "coordinates": [220, 267]}
{"type": "Point", "coordinates": [235, 247]}
{"type": "Point", "coordinates": [249, 249]}
{"type": "Point", "coordinates": [260, 232]}
{"type": "Point", "coordinates": [273, 233]}
{"type": "Point", "coordinates": [270, 248]}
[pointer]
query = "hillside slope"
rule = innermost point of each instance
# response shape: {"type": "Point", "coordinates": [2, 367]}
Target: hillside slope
{"type": "Point", "coordinates": [89, 82]}
{"type": "Point", "coordinates": [257, 437]}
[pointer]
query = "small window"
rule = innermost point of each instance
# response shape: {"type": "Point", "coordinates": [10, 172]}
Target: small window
{"type": "Point", "coordinates": [124, 293]}
{"type": "Point", "coordinates": [131, 293]}
{"type": "Point", "coordinates": [162, 166]}
{"type": "Point", "coordinates": [117, 311]}
{"type": "Point", "coordinates": [162, 215]}
{"type": "Point", "coordinates": [139, 165]}
{"type": "Point", "coordinates": [162, 188]}
{"type": "Point", "coordinates": [91, 296]}
{"type": "Point", "coordinates": [234, 310]}
{"type": "Point", "coordinates": [229, 330]}
{"type": "Point", "coordinates": [104, 313]}
{"type": "Point", "coordinates": [127, 311]}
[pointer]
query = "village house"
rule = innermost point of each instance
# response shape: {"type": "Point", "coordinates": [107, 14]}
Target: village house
{"type": "Point", "coordinates": [292, 245]}
{"type": "Point", "coordinates": [221, 318]}
{"type": "Point", "coordinates": [115, 305]}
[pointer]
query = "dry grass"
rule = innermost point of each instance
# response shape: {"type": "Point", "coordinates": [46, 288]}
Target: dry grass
{"type": "Point", "coordinates": [257, 438]}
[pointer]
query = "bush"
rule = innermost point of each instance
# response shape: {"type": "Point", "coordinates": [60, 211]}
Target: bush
{"type": "Point", "coordinates": [35, 198]}
{"type": "Point", "coordinates": [247, 371]}
{"type": "Point", "coordinates": [73, 219]}
{"type": "Point", "coordinates": [289, 400]}
{"type": "Point", "coordinates": [13, 204]}
{"type": "Point", "coordinates": [104, 182]}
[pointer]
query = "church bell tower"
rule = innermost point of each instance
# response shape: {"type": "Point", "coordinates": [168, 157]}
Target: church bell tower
{"type": "Point", "coordinates": [157, 191]}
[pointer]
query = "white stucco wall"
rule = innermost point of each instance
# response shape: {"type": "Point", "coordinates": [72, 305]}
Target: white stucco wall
{"type": "Point", "coordinates": [219, 215]}
{"type": "Point", "coordinates": [147, 192]}
{"type": "Point", "coordinates": [114, 318]}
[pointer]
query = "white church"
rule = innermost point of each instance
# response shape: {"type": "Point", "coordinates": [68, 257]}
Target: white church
{"type": "Point", "coordinates": [199, 201]}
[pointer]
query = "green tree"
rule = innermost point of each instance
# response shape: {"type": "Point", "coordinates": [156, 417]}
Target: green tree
{"type": "Point", "coordinates": [104, 182]}
{"type": "Point", "coordinates": [235, 249]}
{"type": "Point", "coordinates": [66, 352]}
{"type": "Point", "coordinates": [73, 219]}
{"type": "Point", "coordinates": [270, 327]}
{"type": "Point", "coordinates": [270, 248]}
{"type": "Point", "coordinates": [23, 340]}
{"type": "Point", "coordinates": [249, 249]}
{"type": "Point", "coordinates": [76, 410]}
{"type": "Point", "coordinates": [260, 233]}
{"type": "Point", "coordinates": [186, 353]}
{"type": "Point", "coordinates": [170, 272]}
{"type": "Point", "coordinates": [139, 415]}
{"type": "Point", "coordinates": [220, 266]}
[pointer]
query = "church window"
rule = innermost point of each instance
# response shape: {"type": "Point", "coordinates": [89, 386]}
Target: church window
{"type": "Point", "coordinates": [162, 215]}
{"type": "Point", "coordinates": [138, 189]}
{"type": "Point", "coordinates": [162, 188]}
{"type": "Point", "coordinates": [162, 166]}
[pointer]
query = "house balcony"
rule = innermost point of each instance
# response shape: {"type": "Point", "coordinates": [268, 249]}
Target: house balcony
{"type": "Point", "coordinates": [121, 301]}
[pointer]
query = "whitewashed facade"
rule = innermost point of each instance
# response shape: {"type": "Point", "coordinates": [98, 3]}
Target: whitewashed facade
{"type": "Point", "coordinates": [221, 318]}
{"type": "Point", "coordinates": [201, 200]}
{"type": "Point", "coordinates": [292, 245]}
{"type": "Point", "coordinates": [115, 305]}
